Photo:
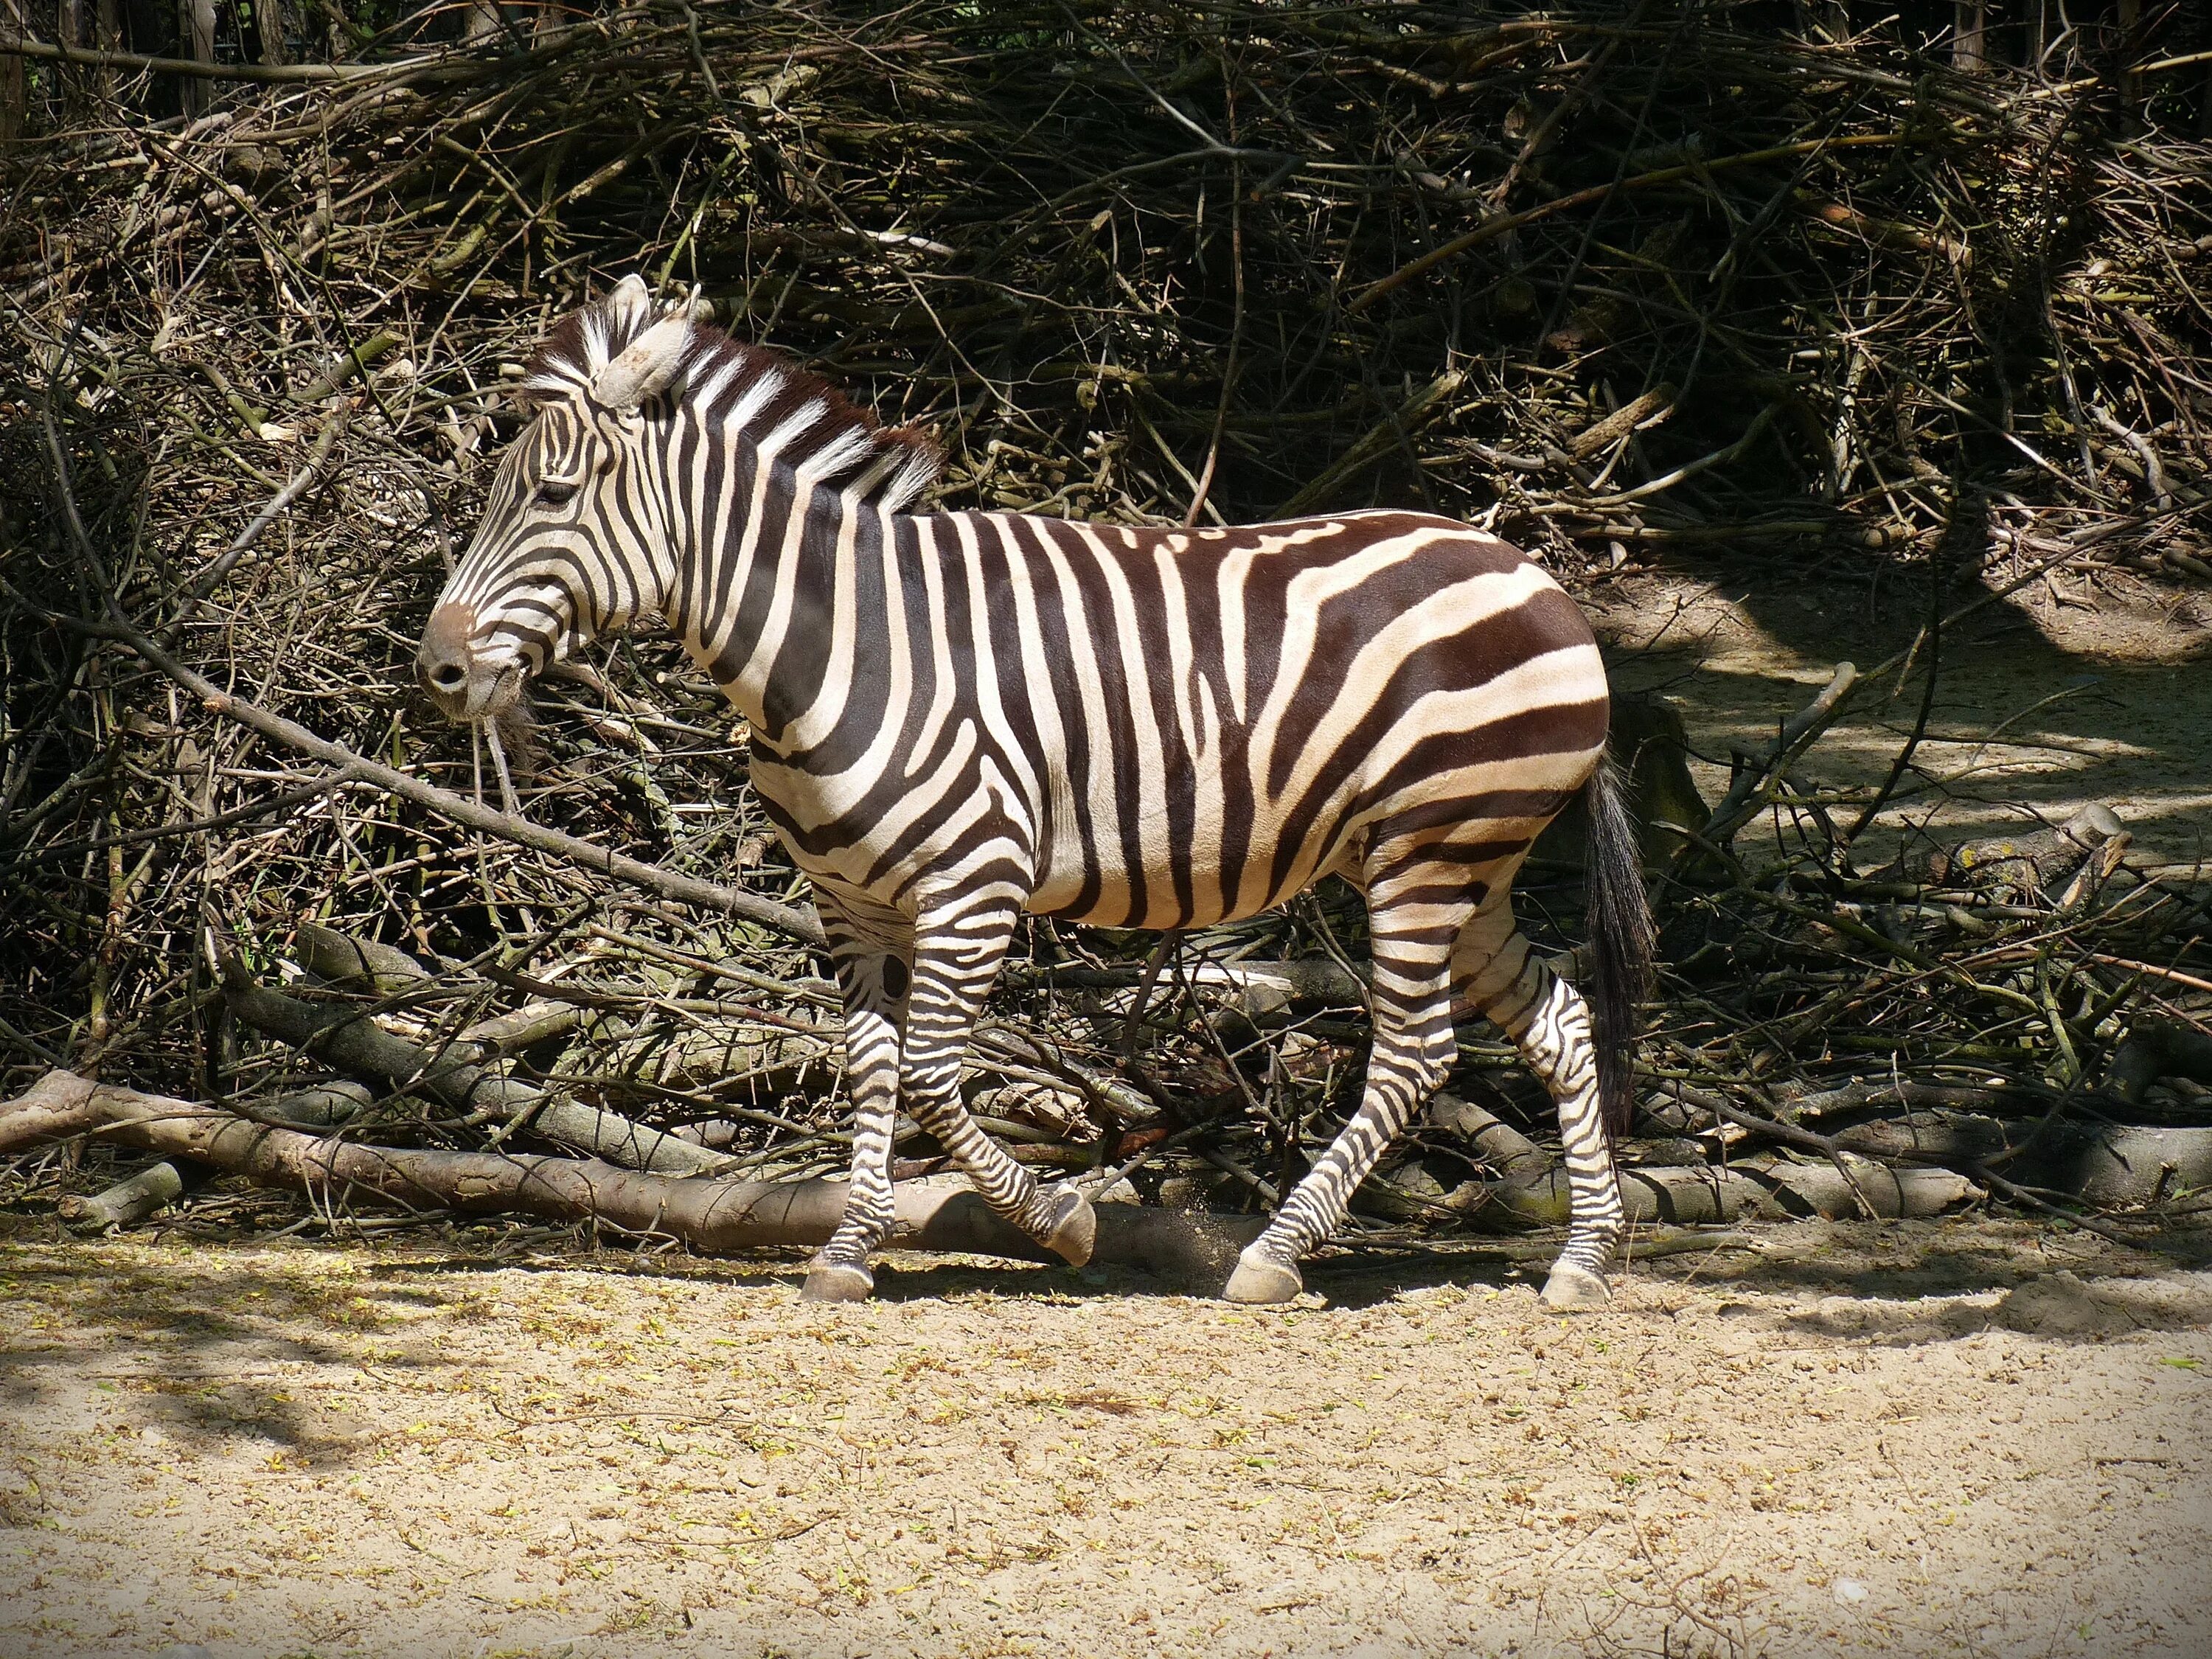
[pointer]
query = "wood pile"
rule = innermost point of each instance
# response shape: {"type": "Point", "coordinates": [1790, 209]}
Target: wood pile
{"type": "Point", "coordinates": [1627, 285]}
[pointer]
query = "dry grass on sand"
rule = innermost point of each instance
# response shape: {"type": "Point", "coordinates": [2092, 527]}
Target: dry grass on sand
{"type": "Point", "coordinates": [1977, 1438]}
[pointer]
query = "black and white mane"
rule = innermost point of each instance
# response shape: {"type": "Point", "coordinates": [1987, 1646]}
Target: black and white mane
{"type": "Point", "coordinates": [760, 391]}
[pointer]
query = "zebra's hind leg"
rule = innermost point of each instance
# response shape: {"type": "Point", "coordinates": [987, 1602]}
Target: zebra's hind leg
{"type": "Point", "coordinates": [1549, 1023]}
{"type": "Point", "coordinates": [1556, 1043]}
{"type": "Point", "coordinates": [1413, 1050]}
{"type": "Point", "coordinates": [957, 954]}
{"type": "Point", "coordinates": [874, 981]}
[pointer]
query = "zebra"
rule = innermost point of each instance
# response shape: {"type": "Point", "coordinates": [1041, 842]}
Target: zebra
{"type": "Point", "coordinates": [960, 716]}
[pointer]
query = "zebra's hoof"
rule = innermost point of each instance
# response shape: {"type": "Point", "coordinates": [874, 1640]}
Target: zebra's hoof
{"type": "Point", "coordinates": [1575, 1290]}
{"type": "Point", "coordinates": [1261, 1278]}
{"type": "Point", "coordinates": [1074, 1228]}
{"type": "Point", "coordinates": [837, 1281]}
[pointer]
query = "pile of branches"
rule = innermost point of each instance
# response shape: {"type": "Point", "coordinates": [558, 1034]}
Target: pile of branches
{"type": "Point", "coordinates": [1627, 284]}
{"type": "Point", "coordinates": [1634, 274]}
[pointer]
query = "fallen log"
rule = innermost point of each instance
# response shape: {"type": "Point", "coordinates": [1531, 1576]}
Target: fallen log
{"type": "Point", "coordinates": [133, 1198]}
{"type": "Point", "coordinates": [1497, 1143]}
{"type": "Point", "coordinates": [1263, 989]}
{"type": "Point", "coordinates": [2114, 1164]}
{"type": "Point", "coordinates": [348, 964]}
{"type": "Point", "coordinates": [1533, 1188]}
{"type": "Point", "coordinates": [712, 1217]}
{"type": "Point", "coordinates": [322, 1105]}
{"type": "Point", "coordinates": [714, 1053]}
{"type": "Point", "coordinates": [523, 1027]}
{"type": "Point", "coordinates": [2156, 1048]}
{"type": "Point", "coordinates": [1804, 1186]}
{"type": "Point", "coordinates": [351, 1042]}
{"type": "Point", "coordinates": [1682, 1197]}
{"type": "Point", "coordinates": [2119, 1165]}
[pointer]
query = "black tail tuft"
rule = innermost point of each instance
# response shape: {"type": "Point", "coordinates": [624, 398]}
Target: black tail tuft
{"type": "Point", "coordinates": [1620, 924]}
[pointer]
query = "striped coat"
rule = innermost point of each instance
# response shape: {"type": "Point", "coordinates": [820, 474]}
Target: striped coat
{"type": "Point", "coordinates": [961, 716]}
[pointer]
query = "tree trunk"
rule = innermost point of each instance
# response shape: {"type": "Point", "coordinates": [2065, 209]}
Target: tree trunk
{"type": "Point", "coordinates": [2132, 43]}
{"type": "Point", "coordinates": [1969, 47]}
{"type": "Point", "coordinates": [195, 40]}
{"type": "Point", "coordinates": [268, 28]}
{"type": "Point", "coordinates": [14, 97]}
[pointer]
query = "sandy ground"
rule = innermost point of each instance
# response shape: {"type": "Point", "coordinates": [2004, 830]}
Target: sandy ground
{"type": "Point", "coordinates": [2043, 702]}
{"type": "Point", "coordinates": [1967, 1438]}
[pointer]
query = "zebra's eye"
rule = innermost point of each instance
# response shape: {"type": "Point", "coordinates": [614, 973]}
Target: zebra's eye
{"type": "Point", "coordinates": [555, 492]}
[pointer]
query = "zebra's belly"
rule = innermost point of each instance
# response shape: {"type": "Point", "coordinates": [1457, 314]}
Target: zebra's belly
{"type": "Point", "coordinates": [1199, 880]}
{"type": "Point", "coordinates": [1157, 868]}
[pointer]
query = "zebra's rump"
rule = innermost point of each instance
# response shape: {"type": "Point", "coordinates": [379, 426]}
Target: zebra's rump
{"type": "Point", "coordinates": [1168, 728]}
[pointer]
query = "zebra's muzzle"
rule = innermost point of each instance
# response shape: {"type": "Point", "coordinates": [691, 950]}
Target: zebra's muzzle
{"type": "Point", "coordinates": [462, 684]}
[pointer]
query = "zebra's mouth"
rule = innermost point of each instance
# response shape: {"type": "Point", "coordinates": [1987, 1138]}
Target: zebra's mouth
{"type": "Point", "coordinates": [480, 693]}
{"type": "Point", "coordinates": [507, 681]}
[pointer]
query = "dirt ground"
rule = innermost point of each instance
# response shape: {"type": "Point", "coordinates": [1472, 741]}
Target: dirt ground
{"type": "Point", "coordinates": [2043, 700]}
{"type": "Point", "coordinates": [1965, 1437]}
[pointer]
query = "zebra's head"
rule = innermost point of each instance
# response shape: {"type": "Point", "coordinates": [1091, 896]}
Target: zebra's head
{"type": "Point", "coordinates": [641, 411]}
{"type": "Point", "coordinates": [573, 541]}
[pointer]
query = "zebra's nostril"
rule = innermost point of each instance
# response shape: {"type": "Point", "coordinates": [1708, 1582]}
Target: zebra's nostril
{"type": "Point", "coordinates": [443, 660]}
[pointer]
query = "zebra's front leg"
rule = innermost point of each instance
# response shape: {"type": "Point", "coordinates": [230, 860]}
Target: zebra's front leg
{"type": "Point", "coordinates": [873, 982]}
{"type": "Point", "coordinates": [956, 953]}
{"type": "Point", "coordinates": [1412, 1051]}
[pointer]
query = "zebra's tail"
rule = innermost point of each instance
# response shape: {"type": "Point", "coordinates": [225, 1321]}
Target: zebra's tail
{"type": "Point", "coordinates": [1620, 940]}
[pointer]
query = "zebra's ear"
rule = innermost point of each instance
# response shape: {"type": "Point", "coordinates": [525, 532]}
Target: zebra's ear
{"type": "Point", "coordinates": [631, 300]}
{"type": "Point", "coordinates": [644, 367]}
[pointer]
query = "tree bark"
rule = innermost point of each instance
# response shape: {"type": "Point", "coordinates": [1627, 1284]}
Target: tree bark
{"type": "Point", "coordinates": [14, 90]}
{"type": "Point", "coordinates": [268, 27]}
{"type": "Point", "coordinates": [1969, 49]}
{"type": "Point", "coordinates": [195, 40]}
{"type": "Point", "coordinates": [101, 21]}
{"type": "Point", "coordinates": [352, 1044]}
{"type": "Point", "coordinates": [2131, 84]}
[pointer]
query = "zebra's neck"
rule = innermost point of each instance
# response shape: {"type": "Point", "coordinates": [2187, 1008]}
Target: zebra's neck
{"type": "Point", "coordinates": [771, 591]}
